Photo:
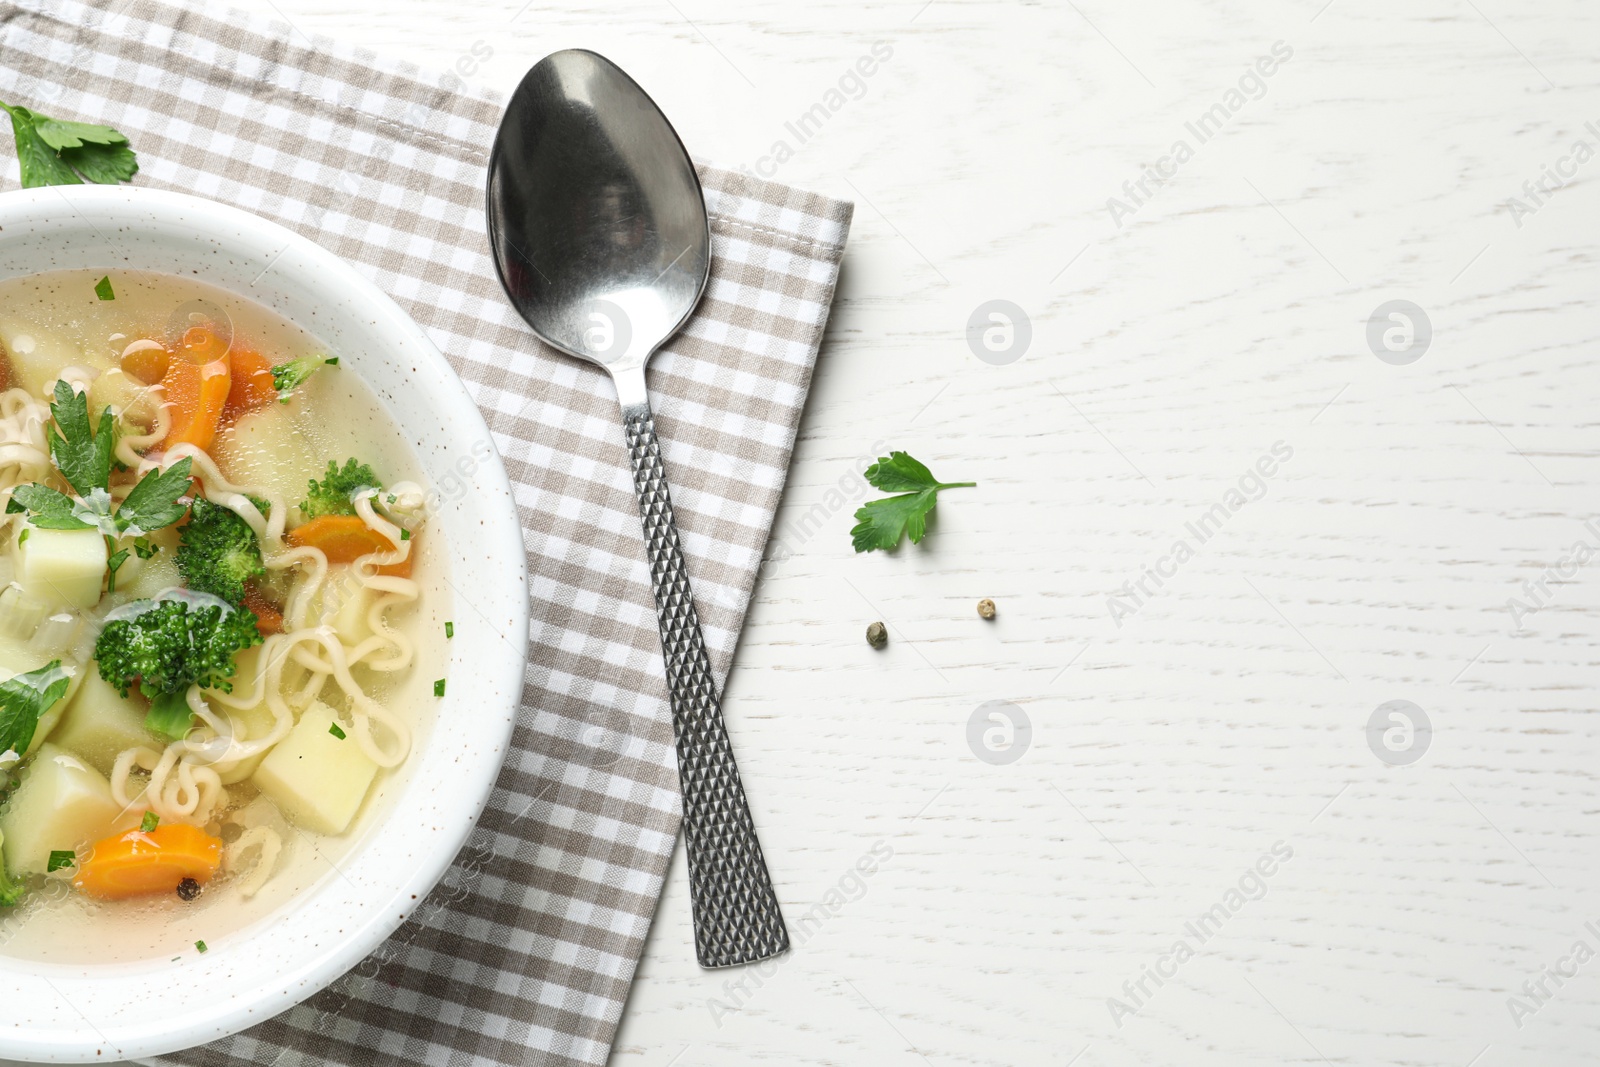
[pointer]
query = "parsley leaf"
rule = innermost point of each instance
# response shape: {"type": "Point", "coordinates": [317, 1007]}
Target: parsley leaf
{"type": "Point", "coordinates": [51, 510]}
{"type": "Point", "coordinates": [83, 456]}
{"type": "Point", "coordinates": [61, 858]}
{"type": "Point", "coordinates": [112, 566]}
{"type": "Point", "coordinates": [55, 152]}
{"type": "Point", "coordinates": [103, 290]}
{"type": "Point", "coordinates": [24, 700]}
{"type": "Point", "coordinates": [153, 503]}
{"type": "Point", "coordinates": [881, 523]}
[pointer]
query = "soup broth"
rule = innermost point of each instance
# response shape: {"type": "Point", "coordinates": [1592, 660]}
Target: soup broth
{"type": "Point", "coordinates": [222, 627]}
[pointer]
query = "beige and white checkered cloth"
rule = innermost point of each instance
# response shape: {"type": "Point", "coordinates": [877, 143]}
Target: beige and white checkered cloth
{"type": "Point", "coordinates": [524, 953]}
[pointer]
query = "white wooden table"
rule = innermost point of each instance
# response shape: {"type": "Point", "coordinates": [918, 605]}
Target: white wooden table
{"type": "Point", "coordinates": [1181, 732]}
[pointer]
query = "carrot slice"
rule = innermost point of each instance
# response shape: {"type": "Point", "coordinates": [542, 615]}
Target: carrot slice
{"type": "Point", "coordinates": [145, 361]}
{"type": "Point", "coordinates": [140, 862]}
{"type": "Point", "coordinates": [196, 387]}
{"type": "Point", "coordinates": [345, 539]}
{"type": "Point", "coordinates": [269, 620]}
{"type": "Point", "coordinates": [252, 383]}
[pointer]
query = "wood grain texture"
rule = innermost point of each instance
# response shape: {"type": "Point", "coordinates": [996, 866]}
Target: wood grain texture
{"type": "Point", "coordinates": [1229, 712]}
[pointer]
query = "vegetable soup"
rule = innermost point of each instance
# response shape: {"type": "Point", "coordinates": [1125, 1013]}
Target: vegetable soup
{"type": "Point", "coordinates": [223, 622]}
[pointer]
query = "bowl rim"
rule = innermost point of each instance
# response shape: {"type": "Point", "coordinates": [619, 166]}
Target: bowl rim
{"type": "Point", "coordinates": [387, 903]}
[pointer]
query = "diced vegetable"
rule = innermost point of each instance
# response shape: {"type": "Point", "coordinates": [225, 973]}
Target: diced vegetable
{"type": "Point", "coordinates": [331, 495]}
{"type": "Point", "coordinates": [267, 448]}
{"type": "Point", "coordinates": [252, 386]}
{"type": "Point", "coordinates": [10, 891]}
{"type": "Point", "coordinates": [145, 361]}
{"type": "Point", "coordinates": [62, 802]}
{"type": "Point", "coordinates": [63, 566]}
{"type": "Point", "coordinates": [218, 553]}
{"type": "Point", "coordinates": [167, 646]}
{"type": "Point", "coordinates": [196, 390]}
{"type": "Point", "coordinates": [317, 780]}
{"type": "Point", "coordinates": [345, 539]}
{"type": "Point", "coordinates": [99, 724]}
{"type": "Point", "coordinates": [37, 357]}
{"type": "Point", "coordinates": [134, 402]}
{"type": "Point", "coordinates": [269, 620]}
{"type": "Point", "coordinates": [137, 863]}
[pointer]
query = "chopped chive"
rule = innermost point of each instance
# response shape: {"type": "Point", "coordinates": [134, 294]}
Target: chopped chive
{"type": "Point", "coordinates": [438, 688]}
{"type": "Point", "coordinates": [102, 289]}
{"type": "Point", "coordinates": [449, 629]}
{"type": "Point", "coordinates": [150, 821]}
{"type": "Point", "coordinates": [60, 858]}
{"type": "Point", "coordinates": [331, 361]}
{"type": "Point", "coordinates": [405, 535]}
{"type": "Point", "coordinates": [333, 728]}
{"type": "Point", "coordinates": [200, 946]}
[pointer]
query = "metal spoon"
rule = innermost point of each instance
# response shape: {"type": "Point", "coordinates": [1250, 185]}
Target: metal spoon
{"type": "Point", "coordinates": [600, 237]}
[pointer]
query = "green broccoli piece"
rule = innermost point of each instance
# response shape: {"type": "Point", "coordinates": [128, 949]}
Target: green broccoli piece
{"type": "Point", "coordinates": [10, 891]}
{"type": "Point", "coordinates": [287, 377]}
{"type": "Point", "coordinates": [331, 496]}
{"type": "Point", "coordinates": [168, 645]}
{"type": "Point", "coordinates": [217, 551]}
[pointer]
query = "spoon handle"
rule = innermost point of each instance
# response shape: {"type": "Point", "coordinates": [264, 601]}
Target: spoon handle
{"type": "Point", "coordinates": [736, 916]}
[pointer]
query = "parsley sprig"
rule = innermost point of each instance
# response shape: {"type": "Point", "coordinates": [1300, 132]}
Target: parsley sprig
{"type": "Point", "coordinates": [23, 701]}
{"type": "Point", "coordinates": [881, 523]}
{"type": "Point", "coordinates": [55, 152]}
{"type": "Point", "coordinates": [83, 456]}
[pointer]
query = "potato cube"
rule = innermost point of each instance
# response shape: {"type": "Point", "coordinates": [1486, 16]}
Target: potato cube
{"type": "Point", "coordinates": [317, 779]}
{"type": "Point", "coordinates": [62, 803]}
{"type": "Point", "coordinates": [99, 724]}
{"type": "Point", "coordinates": [63, 566]}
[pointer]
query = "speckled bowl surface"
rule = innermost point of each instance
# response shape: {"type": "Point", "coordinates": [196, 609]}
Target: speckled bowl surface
{"type": "Point", "coordinates": [103, 1013]}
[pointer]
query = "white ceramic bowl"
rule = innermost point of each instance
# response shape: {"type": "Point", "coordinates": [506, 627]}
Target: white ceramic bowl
{"type": "Point", "coordinates": [102, 1013]}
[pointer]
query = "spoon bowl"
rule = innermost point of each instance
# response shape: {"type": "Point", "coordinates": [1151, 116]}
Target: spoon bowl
{"type": "Point", "coordinates": [602, 241]}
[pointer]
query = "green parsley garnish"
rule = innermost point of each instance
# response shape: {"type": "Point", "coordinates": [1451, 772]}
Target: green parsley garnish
{"type": "Point", "coordinates": [333, 728]}
{"type": "Point", "coordinates": [200, 946]}
{"type": "Point", "coordinates": [102, 289]}
{"type": "Point", "coordinates": [150, 821]}
{"type": "Point", "coordinates": [60, 858]}
{"type": "Point", "coordinates": [55, 152]}
{"type": "Point", "coordinates": [449, 629]}
{"type": "Point", "coordinates": [405, 535]}
{"type": "Point", "coordinates": [438, 688]}
{"type": "Point", "coordinates": [23, 701]}
{"type": "Point", "coordinates": [113, 564]}
{"type": "Point", "coordinates": [82, 454]}
{"type": "Point", "coordinates": [881, 523]}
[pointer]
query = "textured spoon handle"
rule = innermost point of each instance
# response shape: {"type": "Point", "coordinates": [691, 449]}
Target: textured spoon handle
{"type": "Point", "coordinates": [736, 916]}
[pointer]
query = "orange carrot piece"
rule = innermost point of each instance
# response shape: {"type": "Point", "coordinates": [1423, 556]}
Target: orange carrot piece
{"type": "Point", "coordinates": [345, 539]}
{"type": "Point", "coordinates": [269, 620]}
{"type": "Point", "coordinates": [145, 361]}
{"type": "Point", "coordinates": [195, 394]}
{"type": "Point", "coordinates": [138, 862]}
{"type": "Point", "coordinates": [252, 383]}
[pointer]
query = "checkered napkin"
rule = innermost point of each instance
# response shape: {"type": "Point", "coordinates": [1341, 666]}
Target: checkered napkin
{"type": "Point", "coordinates": [524, 953]}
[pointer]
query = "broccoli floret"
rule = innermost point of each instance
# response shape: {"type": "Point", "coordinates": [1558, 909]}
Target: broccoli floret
{"type": "Point", "coordinates": [287, 377]}
{"type": "Point", "coordinates": [217, 551]}
{"type": "Point", "coordinates": [331, 496]}
{"type": "Point", "coordinates": [10, 891]}
{"type": "Point", "coordinates": [168, 645]}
